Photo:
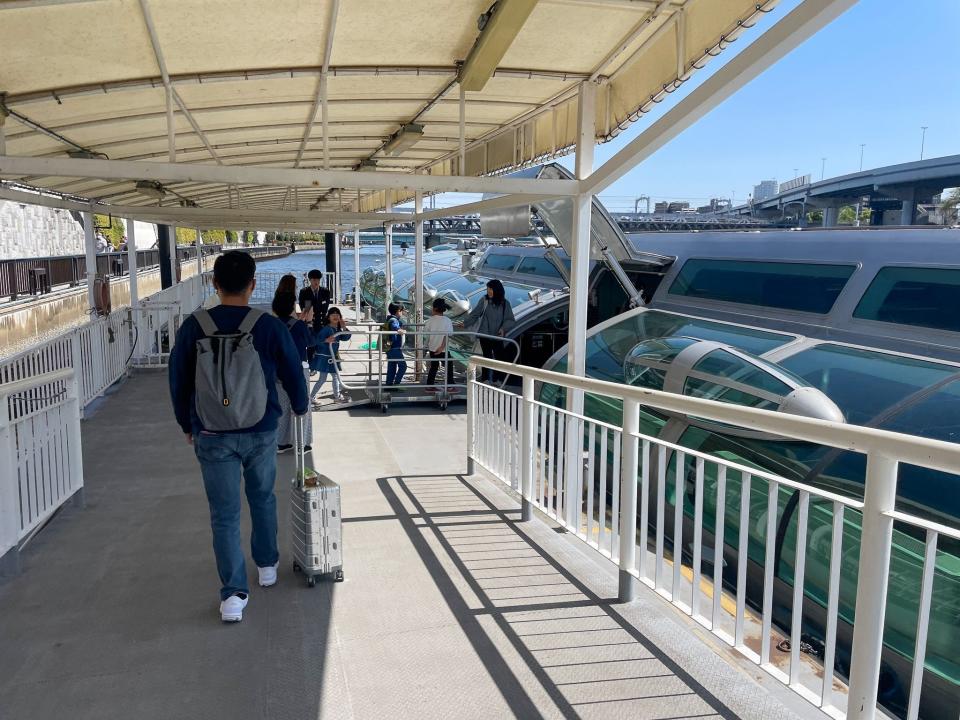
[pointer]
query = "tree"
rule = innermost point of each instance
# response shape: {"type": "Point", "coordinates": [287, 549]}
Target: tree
{"type": "Point", "coordinates": [950, 208]}
{"type": "Point", "coordinates": [848, 215]}
{"type": "Point", "coordinates": [111, 228]}
{"type": "Point", "coordinates": [231, 237]}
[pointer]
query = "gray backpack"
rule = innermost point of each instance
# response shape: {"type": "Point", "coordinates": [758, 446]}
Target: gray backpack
{"type": "Point", "coordinates": [231, 390]}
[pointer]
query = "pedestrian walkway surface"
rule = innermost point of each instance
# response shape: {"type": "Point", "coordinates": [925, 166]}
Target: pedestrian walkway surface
{"type": "Point", "coordinates": [450, 608]}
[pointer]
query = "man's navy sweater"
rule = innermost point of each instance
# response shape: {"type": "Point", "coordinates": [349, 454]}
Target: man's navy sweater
{"type": "Point", "coordinates": [278, 356]}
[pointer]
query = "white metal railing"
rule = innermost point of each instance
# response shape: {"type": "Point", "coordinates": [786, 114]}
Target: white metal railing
{"type": "Point", "coordinates": [41, 464]}
{"type": "Point", "coordinates": [267, 281]}
{"type": "Point", "coordinates": [609, 485]}
{"type": "Point", "coordinates": [98, 351]}
{"type": "Point", "coordinates": [157, 318]}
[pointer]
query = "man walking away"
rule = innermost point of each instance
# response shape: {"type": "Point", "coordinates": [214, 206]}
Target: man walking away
{"type": "Point", "coordinates": [224, 370]}
{"type": "Point", "coordinates": [316, 297]}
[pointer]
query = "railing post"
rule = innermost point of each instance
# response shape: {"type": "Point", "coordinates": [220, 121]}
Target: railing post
{"type": "Point", "coordinates": [9, 518]}
{"type": "Point", "coordinates": [876, 540]}
{"type": "Point", "coordinates": [74, 405]}
{"type": "Point", "coordinates": [471, 409]}
{"type": "Point", "coordinates": [527, 451]}
{"type": "Point", "coordinates": [78, 371]}
{"type": "Point", "coordinates": [628, 499]}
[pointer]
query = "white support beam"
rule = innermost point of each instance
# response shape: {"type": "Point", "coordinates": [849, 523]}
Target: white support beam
{"type": "Point", "coordinates": [18, 166]}
{"type": "Point", "coordinates": [803, 22]}
{"type": "Point", "coordinates": [199, 245]}
{"type": "Point", "coordinates": [171, 134]}
{"type": "Point", "coordinates": [418, 270]}
{"type": "Point", "coordinates": [356, 274]}
{"type": "Point", "coordinates": [462, 139]}
{"type": "Point", "coordinates": [131, 226]}
{"type": "Point", "coordinates": [495, 39]}
{"type": "Point", "coordinates": [90, 251]}
{"type": "Point", "coordinates": [579, 286]}
{"type": "Point", "coordinates": [212, 218]}
{"type": "Point", "coordinates": [320, 97]}
{"type": "Point", "coordinates": [496, 203]}
{"type": "Point", "coordinates": [388, 260]}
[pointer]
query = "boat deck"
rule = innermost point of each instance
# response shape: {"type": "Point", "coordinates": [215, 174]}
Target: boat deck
{"type": "Point", "coordinates": [450, 608]}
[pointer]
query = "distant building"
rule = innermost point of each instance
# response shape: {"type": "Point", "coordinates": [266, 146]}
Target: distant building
{"type": "Point", "coordinates": [766, 189]}
{"type": "Point", "coordinates": [664, 208]}
{"type": "Point", "coordinates": [716, 205]}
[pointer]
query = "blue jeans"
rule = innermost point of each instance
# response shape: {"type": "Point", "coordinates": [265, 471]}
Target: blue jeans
{"type": "Point", "coordinates": [396, 366]}
{"type": "Point", "coordinates": [223, 458]}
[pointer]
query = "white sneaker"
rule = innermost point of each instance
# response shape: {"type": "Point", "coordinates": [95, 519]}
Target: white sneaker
{"type": "Point", "coordinates": [268, 575]}
{"type": "Point", "coordinates": [231, 609]}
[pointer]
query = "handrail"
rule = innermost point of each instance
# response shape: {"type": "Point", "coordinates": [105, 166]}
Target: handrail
{"type": "Point", "coordinates": [18, 386]}
{"type": "Point", "coordinates": [934, 454]}
{"type": "Point", "coordinates": [563, 462]}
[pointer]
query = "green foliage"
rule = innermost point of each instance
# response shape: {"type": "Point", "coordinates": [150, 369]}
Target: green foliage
{"type": "Point", "coordinates": [115, 233]}
{"type": "Point", "coordinates": [188, 236]}
{"type": "Point", "coordinates": [848, 215]}
{"type": "Point", "coordinates": [231, 237]}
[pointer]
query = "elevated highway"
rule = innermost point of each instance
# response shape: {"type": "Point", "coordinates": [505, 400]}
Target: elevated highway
{"type": "Point", "coordinates": [892, 192]}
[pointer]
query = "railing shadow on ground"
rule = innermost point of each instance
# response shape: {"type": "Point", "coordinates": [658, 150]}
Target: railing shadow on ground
{"type": "Point", "coordinates": [587, 657]}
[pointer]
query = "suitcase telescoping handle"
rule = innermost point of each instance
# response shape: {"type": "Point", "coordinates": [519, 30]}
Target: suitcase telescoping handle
{"type": "Point", "coordinates": [299, 450]}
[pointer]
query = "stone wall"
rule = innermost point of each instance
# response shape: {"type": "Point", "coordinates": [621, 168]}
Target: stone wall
{"type": "Point", "coordinates": [34, 231]}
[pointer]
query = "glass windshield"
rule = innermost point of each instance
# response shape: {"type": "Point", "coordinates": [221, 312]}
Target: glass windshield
{"type": "Point", "coordinates": [533, 265]}
{"type": "Point", "coordinates": [922, 297]}
{"type": "Point", "coordinates": [864, 383]}
{"type": "Point", "coordinates": [807, 287]}
{"type": "Point", "coordinates": [500, 262]}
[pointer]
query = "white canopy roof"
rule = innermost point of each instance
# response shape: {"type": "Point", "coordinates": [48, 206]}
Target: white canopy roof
{"type": "Point", "coordinates": [247, 81]}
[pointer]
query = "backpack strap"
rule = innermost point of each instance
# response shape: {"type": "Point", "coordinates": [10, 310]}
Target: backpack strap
{"type": "Point", "coordinates": [206, 322]}
{"type": "Point", "coordinates": [291, 321]}
{"type": "Point", "coordinates": [250, 320]}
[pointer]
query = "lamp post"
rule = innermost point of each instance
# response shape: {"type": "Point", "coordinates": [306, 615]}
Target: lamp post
{"type": "Point", "coordinates": [823, 166]}
{"type": "Point", "coordinates": [923, 137]}
{"type": "Point", "coordinates": [862, 146]}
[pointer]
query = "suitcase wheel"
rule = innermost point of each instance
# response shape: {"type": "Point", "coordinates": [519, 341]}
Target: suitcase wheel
{"type": "Point", "coordinates": [311, 581]}
{"type": "Point", "coordinates": [338, 577]}
{"type": "Point", "coordinates": [296, 567]}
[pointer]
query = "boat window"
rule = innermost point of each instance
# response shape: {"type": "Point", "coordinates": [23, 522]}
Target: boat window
{"type": "Point", "coordinates": [921, 297]}
{"type": "Point", "coordinates": [517, 294]}
{"type": "Point", "coordinates": [639, 369]}
{"type": "Point", "coordinates": [756, 374]}
{"type": "Point", "coordinates": [533, 265]}
{"type": "Point", "coordinates": [501, 263]}
{"type": "Point", "coordinates": [863, 383]}
{"type": "Point", "coordinates": [806, 287]}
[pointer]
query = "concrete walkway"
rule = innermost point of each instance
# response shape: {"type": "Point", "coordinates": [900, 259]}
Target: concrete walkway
{"type": "Point", "coordinates": [450, 609]}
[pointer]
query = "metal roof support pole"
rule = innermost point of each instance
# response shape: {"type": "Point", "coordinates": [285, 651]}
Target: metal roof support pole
{"type": "Point", "coordinates": [579, 289]}
{"type": "Point", "coordinates": [418, 268]}
{"type": "Point", "coordinates": [461, 170]}
{"type": "Point", "coordinates": [356, 274]}
{"type": "Point", "coordinates": [3, 135]}
{"type": "Point", "coordinates": [90, 248]}
{"type": "Point", "coordinates": [325, 120]}
{"type": "Point", "coordinates": [388, 263]}
{"type": "Point", "coordinates": [792, 30]}
{"type": "Point", "coordinates": [199, 244]}
{"type": "Point", "coordinates": [132, 270]}
{"type": "Point", "coordinates": [174, 257]}
{"type": "Point", "coordinates": [171, 135]}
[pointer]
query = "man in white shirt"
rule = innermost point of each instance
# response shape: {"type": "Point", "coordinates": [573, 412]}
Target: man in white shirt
{"type": "Point", "coordinates": [438, 328]}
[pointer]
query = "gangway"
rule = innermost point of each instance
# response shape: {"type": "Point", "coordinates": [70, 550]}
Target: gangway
{"type": "Point", "coordinates": [362, 378]}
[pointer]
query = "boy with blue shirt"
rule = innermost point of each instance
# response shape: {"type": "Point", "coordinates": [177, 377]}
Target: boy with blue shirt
{"type": "Point", "coordinates": [250, 451]}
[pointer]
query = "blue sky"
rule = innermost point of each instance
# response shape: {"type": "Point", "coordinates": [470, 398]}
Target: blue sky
{"type": "Point", "coordinates": [875, 75]}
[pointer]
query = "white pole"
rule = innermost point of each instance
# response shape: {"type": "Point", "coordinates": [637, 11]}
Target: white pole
{"type": "Point", "coordinates": [527, 434]}
{"type": "Point", "coordinates": [90, 247]}
{"type": "Point", "coordinates": [876, 540]}
{"type": "Point", "coordinates": [418, 266]}
{"type": "Point", "coordinates": [463, 131]}
{"type": "Point", "coordinates": [337, 284]}
{"type": "Point", "coordinates": [579, 287]}
{"type": "Point", "coordinates": [132, 263]}
{"type": "Point", "coordinates": [199, 245]}
{"type": "Point", "coordinates": [628, 501]}
{"type": "Point", "coordinates": [356, 273]}
{"type": "Point", "coordinates": [388, 245]}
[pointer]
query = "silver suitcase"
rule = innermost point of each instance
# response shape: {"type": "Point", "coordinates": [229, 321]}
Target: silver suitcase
{"type": "Point", "coordinates": [315, 520]}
